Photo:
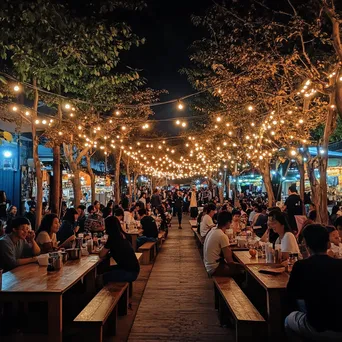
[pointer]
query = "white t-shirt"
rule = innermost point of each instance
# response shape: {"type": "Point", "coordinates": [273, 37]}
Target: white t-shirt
{"type": "Point", "coordinates": [288, 243]}
{"type": "Point", "coordinates": [128, 218]}
{"type": "Point", "coordinates": [213, 244]}
{"type": "Point", "coordinates": [44, 237]}
{"type": "Point", "coordinates": [206, 224]}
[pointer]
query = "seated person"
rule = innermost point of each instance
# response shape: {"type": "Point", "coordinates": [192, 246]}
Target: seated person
{"type": "Point", "coordinates": [237, 225]}
{"type": "Point", "coordinates": [19, 247]}
{"type": "Point", "coordinates": [207, 220]}
{"type": "Point", "coordinates": [46, 234]}
{"type": "Point", "coordinates": [68, 228]}
{"type": "Point", "coordinates": [94, 222]}
{"type": "Point", "coordinates": [335, 249]}
{"type": "Point", "coordinates": [260, 223]}
{"type": "Point", "coordinates": [149, 227]}
{"type": "Point", "coordinates": [81, 217]}
{"type": "Point", "coordinates": [316, 281]}
{"type": "Point", "coordinates": [217, 255]}
{"type": "Point", "coordinates": [127, 266]}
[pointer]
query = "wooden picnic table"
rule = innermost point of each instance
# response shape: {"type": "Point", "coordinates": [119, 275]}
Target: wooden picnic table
{"type": "Point", "coordinates": [275, 287]}
{"type": "Point", "coordinates": [134, 235]}
{"type": "Point", "coordinates": [244, 258]}
{"type": "Point", "coordinates": [32, 283]}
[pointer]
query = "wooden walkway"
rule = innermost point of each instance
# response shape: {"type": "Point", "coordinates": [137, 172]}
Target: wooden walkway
{"type": "Point", "coordinates": [178, 302]}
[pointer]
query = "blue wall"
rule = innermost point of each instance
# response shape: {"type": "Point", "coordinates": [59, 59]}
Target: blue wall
{"type": "Point", "coordinates": [10, 183]}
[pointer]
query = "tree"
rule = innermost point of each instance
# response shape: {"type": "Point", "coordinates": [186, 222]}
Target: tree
{"type": "Point", "coordinates": [259, 55]}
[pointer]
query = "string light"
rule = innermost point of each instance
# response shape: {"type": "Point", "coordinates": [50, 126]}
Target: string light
{"type": "Point", "coordinates": [250, 108]}
{"type": "Point", "coordinates": [16, 88]}
{"type": "Point", "coordinates": [67, 106]}
{"type": "Point", "coordinates": [180, 105]}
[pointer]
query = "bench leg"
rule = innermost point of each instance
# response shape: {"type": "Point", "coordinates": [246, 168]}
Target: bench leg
{"type": "Point", "coordinates": [224, 313]}
{"type": "Point", "coordinates": [123, 303]}
{"type": "Point", "coordinates": [131, 289]}
{"type": "Point", "coordinates": [145, 257]}
{"type": "Point", "coordinates": [217, 297]}
{"type": "Point", "coordinates": [90, 332]}
{"type": "Point", "coordinates": [111, 323]}
{"type": "Point", "coordinates": [250, 331]}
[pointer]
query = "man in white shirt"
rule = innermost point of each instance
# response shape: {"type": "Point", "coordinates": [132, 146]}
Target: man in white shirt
{"type": "Point", "coordinates": [207, 220]}
{"type": "Point", "coordinates": [217, 255]}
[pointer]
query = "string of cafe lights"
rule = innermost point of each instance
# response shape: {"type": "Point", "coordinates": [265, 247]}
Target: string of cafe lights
{"type": "Point", "coordinates": [260, 140]}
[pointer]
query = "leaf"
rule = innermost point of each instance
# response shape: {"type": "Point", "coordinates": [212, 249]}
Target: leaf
{"type": "Point", "coordinates": [7, 136]}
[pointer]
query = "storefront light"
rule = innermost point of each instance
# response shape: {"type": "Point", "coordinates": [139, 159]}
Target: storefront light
{"type": "Point", "coordinates": [7, 154]}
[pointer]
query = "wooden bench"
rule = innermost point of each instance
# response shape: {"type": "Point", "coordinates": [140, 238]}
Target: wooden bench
{"type": "Point", "coordinates": [148, 250]}
{"type": "Point", "coordinates": [104, 307]}
{"type": "Point", "coordinates": [249, 324]}
{"type": "Point", "coordinates": [193, 223]}
{"type": "Point", "coordinates": [161, 239]}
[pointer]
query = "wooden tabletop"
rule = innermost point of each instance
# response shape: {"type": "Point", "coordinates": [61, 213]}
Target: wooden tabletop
{"type": "Point", "coordinates": [244, 258]}
{"type": "Point", "coordinates": [135, 232]}
{"type": "Point", "coordinates": [35, 278]}
{"type": "Point", "coordinates": [268, 281]}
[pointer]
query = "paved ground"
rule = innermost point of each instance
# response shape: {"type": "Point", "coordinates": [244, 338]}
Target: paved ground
{"type": "Point", "coordinates": [178, 302]}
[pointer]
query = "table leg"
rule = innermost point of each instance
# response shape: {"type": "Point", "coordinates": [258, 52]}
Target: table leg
{"type": "Point", "coordinates": [275, 314]}
{"type": "Point", "coordinates": [134, 242]}
{"type": "Point", "coordinates": [55, 318]}
{"type": "Point", "coordinates": [89, 279]}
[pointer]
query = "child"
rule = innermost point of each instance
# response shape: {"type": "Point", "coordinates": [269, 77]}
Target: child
{"type": "Point", "coordinates": [335, 249]}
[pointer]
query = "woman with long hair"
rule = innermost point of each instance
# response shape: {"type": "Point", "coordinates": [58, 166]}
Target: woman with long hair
{"type": "Point", "coordinates": [127, 266]}
{"type": "Point", "coordinates": [278, 222]}
{"type": "Point", "coordinates": [46, 234]}
{"type": "Point", "coordinates": [68, 228]}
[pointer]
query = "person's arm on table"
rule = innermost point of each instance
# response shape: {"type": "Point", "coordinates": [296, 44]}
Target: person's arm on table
{"type": "Point", "coordinates": [227, 254]}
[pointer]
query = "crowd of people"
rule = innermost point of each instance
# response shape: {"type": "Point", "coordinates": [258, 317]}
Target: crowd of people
{"type": "Point", "coordinates": [315, 279]}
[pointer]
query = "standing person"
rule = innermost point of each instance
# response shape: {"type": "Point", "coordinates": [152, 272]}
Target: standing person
{"type": "Point", "coordinates": [19, 247]}
{"type": "Point", "coordinates": [127, 267]}
{"type": "Point", "coordinates": [316, 281]}
{"type": "Point", "coordinates": [63, 209]}
{"type": "Point", "coordinates": [293, 206]}
{"type": "Point", "coordinates": [193, 203]}
{"type": "Point", "coordinates": [179, 207]}
{"type": "Point", "coordinates": [156, 200]}
{"type": "Point", "coordinates": [207, 220]}
{"type": "Point", "coordinates": [31, 216]}
{"type": "Point", "coordinates": [142, 199]}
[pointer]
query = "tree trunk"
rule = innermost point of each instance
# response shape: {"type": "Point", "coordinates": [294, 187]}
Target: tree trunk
{"type": "Point", "coordinates": [129, 181]}
{"type": "Point", "coordinates": [117, 193]}
{"type": "Point", "coordinates": [135, 178]}
{"type": "Point", "coordinates": [36, 160]}
{"type": "Point", "coordinates": [329, 128]}
{"type": "Point", "coordinates": [92, 178]}
{"type": "Point", "coordinates": [56, 191]}
{"type": "Point", "coordinates": [76, 184]}
{"type": "Point", "coordinates": [266, 175]}
{"type": "Point", "coordinates": [300, 165]}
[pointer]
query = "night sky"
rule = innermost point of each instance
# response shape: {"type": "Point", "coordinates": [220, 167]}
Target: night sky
{"type": "Point", "coordinates": [168, 30]}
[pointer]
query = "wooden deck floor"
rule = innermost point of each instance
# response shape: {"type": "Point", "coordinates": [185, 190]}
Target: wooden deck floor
{"type": "Point", "coordinates": [178, 302]}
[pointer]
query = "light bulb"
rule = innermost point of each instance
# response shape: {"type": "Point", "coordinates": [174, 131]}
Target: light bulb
{"type": "Point", "coordinates": [218, 119]}
{"type": "Point", "coordinates": [27, 113]}
{"type": "Point", "coordinates": [177, 122]}
{"type": "Point", "coordinates": [183, 124]}
{"type": "Point", "coordinates": [180, 106]}
{"type": "Point", "coordinates": [16, 88]}
{"type": "Point", "coordinates": [14, 108]}
{"type": "Point", "coordinates": [250, 108]}
{"type": "Point", "coordinates": [67, 106]}
{"type": "Point", "coordinates": [117, 112]}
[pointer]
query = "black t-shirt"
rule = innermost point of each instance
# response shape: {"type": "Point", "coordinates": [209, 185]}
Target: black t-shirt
{"type": "Point", "coordinates": [149, 226]}
{"type": "Point", "coordinates": [318, 281]}
{"type": "Point", "coordinates": [122, 252]}
{"type": "Point", "coordinates": [294, 205]}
